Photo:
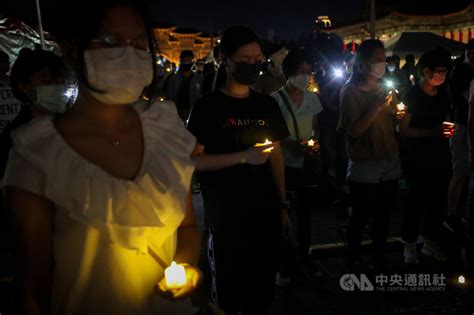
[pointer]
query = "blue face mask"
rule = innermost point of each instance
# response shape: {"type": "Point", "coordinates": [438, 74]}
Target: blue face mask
{"type": "Point", "coordinates": [51, 98]}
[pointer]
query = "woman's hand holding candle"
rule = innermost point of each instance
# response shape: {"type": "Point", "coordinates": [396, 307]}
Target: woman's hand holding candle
{"type": "Point", "coordinates": [266, 143]}
{"type": "Point", "coordinates": [311, 146]}
{"type": "Point", "coordinates": [401, 111]}
{"type": "Point", "coordinates": [179, 282]}
{"type": "Point", "coordinates": [258, 154]}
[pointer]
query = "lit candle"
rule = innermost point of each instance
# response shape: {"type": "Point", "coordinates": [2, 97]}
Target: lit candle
{"type": "Point", "coordinates": [175, 276]}
{"type": "Point", "coordinates": [265, 143]}
{"type": "Point", "coordinates": [400, 107]}
{"type": "Point", "coordinates": [311, 143]}
{"type": "Point", "coordinates": [462, 280]}
{"type": "Point", "coordinates": [450, 127]}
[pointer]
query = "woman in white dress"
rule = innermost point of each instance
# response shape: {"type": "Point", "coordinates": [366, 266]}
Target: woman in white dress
{"type": "Point", "coordinates": [99, 197]}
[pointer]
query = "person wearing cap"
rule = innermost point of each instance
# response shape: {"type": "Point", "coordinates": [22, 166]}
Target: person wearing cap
{"type": "Point", "coordinates": [185, 86]}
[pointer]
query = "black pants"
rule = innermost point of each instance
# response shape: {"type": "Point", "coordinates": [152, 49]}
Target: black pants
{"type": "Point", "coordinates": [333, 153]}
{"type": "Point", "coordinates": [427, 198]}
{"type": "Point", "coordinates": [244, 265]}
{"type": "Point", "coordinates": [300, 197]}
{"type": "Point", "coordinates": [370, 200]}
{"type": "Point", "coordinates": [470, 222]}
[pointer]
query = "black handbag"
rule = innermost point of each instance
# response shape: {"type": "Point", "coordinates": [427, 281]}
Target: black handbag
{"type": "Point", "coordinates": [312, 166]}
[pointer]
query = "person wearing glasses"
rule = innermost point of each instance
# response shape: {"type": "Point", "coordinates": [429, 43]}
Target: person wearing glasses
{"type": "Point", "coordinates": [99, 197]}
{"type": "Point", "coordinates": [426, 158]}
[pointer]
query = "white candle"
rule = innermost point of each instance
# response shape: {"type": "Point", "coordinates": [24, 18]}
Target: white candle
{"type": "Point", "coordinates": [311, 143]}
{"type": "Point", "coordinates": [265, 143]}
{"type": "Point", "coordinates": [462, 280]}
{"type": "Point", "coordinates": [175, 276]}
{"type": "Point", "coordinates": [450, 127]}
{"type": "Point", "coordinates": [400, 107]}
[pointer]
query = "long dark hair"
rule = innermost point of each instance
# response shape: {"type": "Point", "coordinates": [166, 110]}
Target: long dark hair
{"type": "Point", "coordinates": [364, 54]}
{"type": "Point", "coordinates": [82, 34]}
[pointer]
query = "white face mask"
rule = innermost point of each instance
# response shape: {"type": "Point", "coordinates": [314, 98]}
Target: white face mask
{"type": "Point", "coordinates": [378, 69]}
{"type": "Point", "coordinates": [299, 81]}
{"type": "Point", "coordinates": [51, 98]}
{"type": "Point", "coordinates": [120, 80]}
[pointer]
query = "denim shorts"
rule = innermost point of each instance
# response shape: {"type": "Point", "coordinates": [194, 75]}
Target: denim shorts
{"type": "Point", "coordinates": [374, 172]}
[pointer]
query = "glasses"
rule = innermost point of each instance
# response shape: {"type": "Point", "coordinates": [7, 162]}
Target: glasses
{"type": "Point", "coordinates": [441, 72]}
{"type": "Point", "coordinates": [113, 47]}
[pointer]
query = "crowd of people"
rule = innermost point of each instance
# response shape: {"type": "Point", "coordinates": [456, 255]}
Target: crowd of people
{"type": "Point", "coordinates": [98, 193]}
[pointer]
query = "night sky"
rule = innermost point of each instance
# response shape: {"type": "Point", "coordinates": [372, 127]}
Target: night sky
{"type": "Point", "coordinates": [288, 18]}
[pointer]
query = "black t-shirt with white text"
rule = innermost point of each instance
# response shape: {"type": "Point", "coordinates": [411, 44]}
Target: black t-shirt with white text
{"type": "Point", "coordinates": [225, 124]}
{"type": "Point", "coordinates": [428, 112]}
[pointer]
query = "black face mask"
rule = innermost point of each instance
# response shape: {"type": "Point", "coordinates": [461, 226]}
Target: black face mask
{"type": "Point", "coordinates": [246, 73]}
{"type": "Point", "coordinates": [186, 66]}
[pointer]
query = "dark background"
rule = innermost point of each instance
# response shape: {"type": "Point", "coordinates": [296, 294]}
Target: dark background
{"type": "Point", "coordinates": [287, 18]}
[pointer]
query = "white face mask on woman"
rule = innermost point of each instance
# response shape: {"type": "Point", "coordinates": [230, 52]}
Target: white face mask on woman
{"type": "Point", "coordinates": [378, 69]}
{"type": "Point", "coordinates": [299, 81]}
{"type": "Point", "coordinates": [51, 98]}
{"type": "Point", "coordinates": [120, 80]}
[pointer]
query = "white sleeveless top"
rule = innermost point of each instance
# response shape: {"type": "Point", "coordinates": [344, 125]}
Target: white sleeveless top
{"type": "Point", "coordinates": [104, 225]}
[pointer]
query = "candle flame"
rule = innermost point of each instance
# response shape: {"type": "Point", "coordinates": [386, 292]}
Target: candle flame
{"type": "Point", "coordinates": [175, 276]}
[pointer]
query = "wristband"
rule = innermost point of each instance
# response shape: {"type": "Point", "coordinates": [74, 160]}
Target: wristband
{"type": "Point", "coordinates": [242, 159]}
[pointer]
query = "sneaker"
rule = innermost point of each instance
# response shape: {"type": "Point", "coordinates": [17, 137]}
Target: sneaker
{"type": "Point", "coordinates": [432, 248]}
{"type": "Point", "coordinates": [410, 254]}
{"type": "Point", "coordinates": [282, 281]}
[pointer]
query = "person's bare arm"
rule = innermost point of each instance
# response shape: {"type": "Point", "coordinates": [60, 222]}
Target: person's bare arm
{"type": "Point", "coordinates": [316, 126]}
{"type": "Point", "coordinates": [32, 220]}
{"type": "Point", "coordinates": [278, 172]}
{"type": "Point", "coordinates": [187, 254]}
{"type": "Point", "coordinates": [355, 123]}
{"type": "Point", "coordinates": [214, 162]}
{"type": "Point", "coordinates": [358, 127]}
{"type": "Point", "coordinates": [189, 237]}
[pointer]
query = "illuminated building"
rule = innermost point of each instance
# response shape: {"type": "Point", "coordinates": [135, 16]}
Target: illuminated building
{"type": "Point", "coordinates": [323, 22]}
{"type": "Point", "coordinates": [172, 40]}
{"type": "Point", "coordinates": [458, 26]}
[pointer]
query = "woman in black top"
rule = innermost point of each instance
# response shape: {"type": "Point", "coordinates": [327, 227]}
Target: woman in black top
{"type": "Point", "coordinates": [242, 185]}
{"type": "Point", "coordinates": [426, 157]}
